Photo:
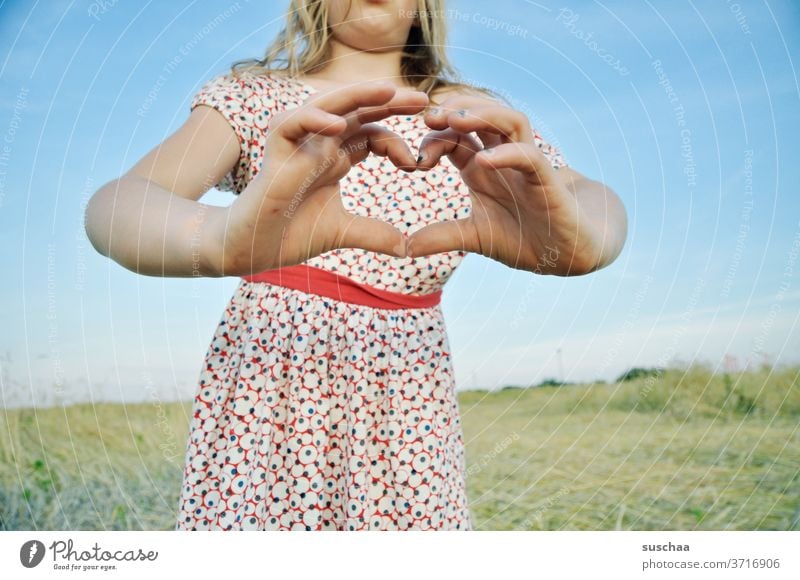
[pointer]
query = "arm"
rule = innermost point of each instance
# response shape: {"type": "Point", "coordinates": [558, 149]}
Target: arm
{"type": "Point", "coordinates": [525, 213]}
{"type": "Point", "coordinates": [149, 220]}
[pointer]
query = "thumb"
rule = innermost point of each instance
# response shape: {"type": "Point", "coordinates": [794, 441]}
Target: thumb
{"type": "Point", "coordinates": [446, 236]}
{"type": "Point", "coordinates": [373, 235]}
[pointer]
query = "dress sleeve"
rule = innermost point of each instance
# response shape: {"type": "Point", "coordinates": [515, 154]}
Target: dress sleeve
{"type": "Point", "coordinates": [230, 96]}
{"type": "Point", "coordinates": [552, 152]}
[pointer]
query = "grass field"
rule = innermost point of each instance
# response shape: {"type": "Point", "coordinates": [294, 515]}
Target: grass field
{"type": "Point", "coordinates": [689, 450]}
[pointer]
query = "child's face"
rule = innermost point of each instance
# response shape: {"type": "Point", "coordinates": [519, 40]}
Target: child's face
{"type": "Point", "coordinates": [372, 24]}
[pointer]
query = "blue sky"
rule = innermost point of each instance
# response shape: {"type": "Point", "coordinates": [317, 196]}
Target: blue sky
{"type": "Point", "coordinates": [688, 110]}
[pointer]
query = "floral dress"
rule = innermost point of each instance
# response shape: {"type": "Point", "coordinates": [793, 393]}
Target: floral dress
{"type": "Point", "coordinates": [315, 413]}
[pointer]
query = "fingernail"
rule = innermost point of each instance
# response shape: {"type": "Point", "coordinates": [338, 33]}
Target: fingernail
{"type": "Point", "coordinates": [436, 111]}
{"type": "Point", "coordinates": [489, 151]}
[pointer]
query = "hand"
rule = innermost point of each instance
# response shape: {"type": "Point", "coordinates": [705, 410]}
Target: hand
{"type": "Point", "coordinates": [522, 213]}
{"type": "Point", "coordinates": [292, 210]}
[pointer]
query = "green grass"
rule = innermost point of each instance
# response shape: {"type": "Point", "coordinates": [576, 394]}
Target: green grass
{"type": "Point", "coordinates": [688, 450]}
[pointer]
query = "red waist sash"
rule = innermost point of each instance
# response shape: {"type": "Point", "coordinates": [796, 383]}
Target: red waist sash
{"type": "Point", "coordinates": [315, 280]}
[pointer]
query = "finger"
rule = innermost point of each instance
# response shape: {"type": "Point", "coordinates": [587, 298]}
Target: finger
{"type": "Point", "coordinates": [322, 113]}
{"type": "Point", "coordinates": [523, 157]}
{"type": "Point", "coordinates": [436, 116]}
{"type": "Point", "coordinates": [458, 147]}
{"type": "Point", "coordinates": [382, 142]}
{"type": "Point", "coordinates": [374, 236]}
{"type": "Point", "coordinates": [296, 124]}
{"type": "Point", "coordinates": [449, 236]}
{"type": "Point", "coordinates": [343, 100]}
{"type": "Point", "coordinates": [404, 102]}
{"type": "Point", "coordinates": [502, 121]}
{"type": "Point", "coordinates": [322, 117]}
{"type": "Point", "coordinates": [489, 139]}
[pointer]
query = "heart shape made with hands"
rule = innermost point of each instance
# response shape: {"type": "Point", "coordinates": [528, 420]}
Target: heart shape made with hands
{"type": "Point", "coordinates": [521, 211]}
{"type": "Point", "coordinates": [522, 214]}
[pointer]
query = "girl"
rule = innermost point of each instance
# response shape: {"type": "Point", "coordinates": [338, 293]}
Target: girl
{"type": "Point", "coordinates": [326, 399]}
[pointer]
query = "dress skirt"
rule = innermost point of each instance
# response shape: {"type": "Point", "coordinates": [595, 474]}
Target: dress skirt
{"type": "Point", "coordinates": [318, 414]}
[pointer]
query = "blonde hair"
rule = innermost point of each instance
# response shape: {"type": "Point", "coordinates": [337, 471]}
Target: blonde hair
{"type": "Point", "coordinates": [303, 46]}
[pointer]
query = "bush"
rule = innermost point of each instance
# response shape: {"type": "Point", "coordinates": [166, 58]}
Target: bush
{"type": "Point", "coordinates": [551, 383]}
{"type": "Point", "coordinates": [638, 373]}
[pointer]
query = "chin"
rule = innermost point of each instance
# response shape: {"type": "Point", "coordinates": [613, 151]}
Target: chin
{"type": "Point", "coordinates": [371, 25]}
{"type": "Point", "coordinates": [372, 35]}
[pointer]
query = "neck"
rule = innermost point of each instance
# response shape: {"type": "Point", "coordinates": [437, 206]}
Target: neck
{"type": "Point", "coordinates": [350, 65]}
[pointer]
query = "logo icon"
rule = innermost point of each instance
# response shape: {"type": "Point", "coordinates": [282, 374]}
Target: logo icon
{"type": "Point", "coordinates": [31, 553]}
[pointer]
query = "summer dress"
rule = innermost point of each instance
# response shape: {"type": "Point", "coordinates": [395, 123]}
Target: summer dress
{"type": "Point", "coordinates": [323, 413]}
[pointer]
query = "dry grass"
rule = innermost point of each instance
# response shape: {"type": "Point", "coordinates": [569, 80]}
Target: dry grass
{"type": "Point", "coordinates": [92, 467]}
{"type": "Point", "coordinates": [689, 450]}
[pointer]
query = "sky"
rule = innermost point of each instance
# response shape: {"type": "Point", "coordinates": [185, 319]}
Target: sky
{"type": "Point", "coordinates": [687, 110]}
